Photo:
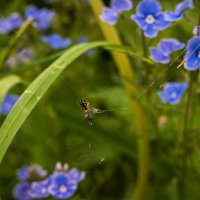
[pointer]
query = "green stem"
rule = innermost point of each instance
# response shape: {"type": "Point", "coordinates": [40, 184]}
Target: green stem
{"type": "Point", "coordinates": [125, 70]}
{"type": "Point", "coordinates": [184, 136]}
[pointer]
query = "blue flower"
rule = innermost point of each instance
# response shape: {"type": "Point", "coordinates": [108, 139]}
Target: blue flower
{"type": "Point", "coordinates": [11, 23]}
{"type": "Point", "coordinates": [62, 186]}
{"type": "Point", "coordinates": [23, 173]}
{"type": "Point", "coordinates": [192, 56]}
{"type": "Point", "coordinates": [150, 18]}
{"type": "Point", "coordinates": [178, 13]}
{"type": "Point", "coordinates": [43, 17]}
{"type": "Point", "coordinates": [172, 92]}
{"type": "Point", "coordinates": [39, 189]}
{"type": "Point", "coordinates": [56, 42]}
{"type": "Point", "coordinates": [164, 50]}
{"type": "Point", "coordinates": [8, 103]}
{"type": "Point", "coordinates": [20, 191]}
{"type": "Point", "coordinates": [110, 14]}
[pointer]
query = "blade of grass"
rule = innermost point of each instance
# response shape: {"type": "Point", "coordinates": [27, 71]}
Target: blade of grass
{"type": "Point", "coordinates": [35, 92]}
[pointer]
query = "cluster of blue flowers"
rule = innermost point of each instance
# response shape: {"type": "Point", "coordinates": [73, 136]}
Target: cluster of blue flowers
{"type": "Point", "coordinates": [151, 19]}
{"type": "Point", "coordinates": [35, 183]}
{"type": "Point", "coordinates": [8, 103]}
{"type": "Point", "coordinates": [42, 20]}
{"type": "Point", "coordinates": [149, 15]}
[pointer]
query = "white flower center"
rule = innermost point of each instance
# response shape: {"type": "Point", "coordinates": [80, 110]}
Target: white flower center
{"type": "Point", "coordinates": [63, 188]}
{"type": "Point", "coordinates": [149, 19]}
{"type": "Point", "coordinates": [173, 95]}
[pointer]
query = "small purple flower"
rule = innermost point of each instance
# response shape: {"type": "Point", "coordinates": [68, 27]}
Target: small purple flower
{"type": "Point", "coordinates": [55, 41]}
{"type": "Point", "coordinates": [62, 186]}
{"type": "Point", "coordinates": [20, 191]}
{"type": "Point", "coordinates": [150, 18]}
{"type": "Point", "coordinates": [39, 189]}
{"type": "Point", "coordinates": [23, 173]}
{"type": "Point", "coordinates": [178, 13]}
{"type": "Point", "coordinates": [11, 23]}
{"type": "Point", "coordinates": [43, 16]}
{"type": "Point", "coordinates": [172, 92]}
{"type": "Point", "coordinates": [110, 14]}
{"type": "Point", "coordinates": [164, 50]}
{"type": "Point", "coordinates": [192, 56]}
{"type": "Point", "coordinates": [8, 103]}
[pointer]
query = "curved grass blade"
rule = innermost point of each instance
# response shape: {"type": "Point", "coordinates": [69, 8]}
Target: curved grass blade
{"type": "Point", "coordinates": [35, 92]}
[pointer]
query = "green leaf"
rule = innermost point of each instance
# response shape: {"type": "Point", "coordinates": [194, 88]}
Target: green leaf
{"type": "Point", "coordinates": [36, 91]}
{"type": "Point", "coordinates": [6, 84]}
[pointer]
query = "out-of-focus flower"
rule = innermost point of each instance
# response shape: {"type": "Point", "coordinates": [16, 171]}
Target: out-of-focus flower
{"type": "Point", "coordinates": [8, 103]}
{"type": "Point", "coordinates": [20, 191]}
{"type": "Point", "coordinates": [150, 18]}
{"type": "Point", "coordinates": [164, 50]}
{"type": "Point", "coordinates": [24, 55]}
{"type": "Point", "coordinates": [11, 23]}
{"type": "Point", "coordinates": [56, 41]}
{"type": "Point", "coordinates": [39, 189]}
{"type": "Point", "coordinates": [179, 10]}
{"type": "Point", "coordinates": [35, 184]}
{"type": "Point", "coordinates": [43, 17]}
{"type": "Point", "coordinates": [110, 14]}
{"type": "Point", "coordinates": [192, 56]}
{"type": "Point", "coordinates": [172, 92]}
{"type": "Point", "coordinates": [121, 5]}
{"type": "Point", "coordinates": [62, 186]}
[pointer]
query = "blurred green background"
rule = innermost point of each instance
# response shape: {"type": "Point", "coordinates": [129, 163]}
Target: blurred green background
{"type": "Point", "coordinates": [107, 150]}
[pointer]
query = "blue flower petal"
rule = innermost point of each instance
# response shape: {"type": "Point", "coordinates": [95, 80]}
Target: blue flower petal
{"type": "Point", "coordinates": [20, 191]}
{"type": "Point", "coordinates": [43, 17]}
{"type": "Point", "coordinates": [147, 7]}
{"type": "Point", "coordinates": [76, 175]}
{"type": "Point", "coordinates": [192, 56]}
{"type": "Point", "coordinates": [140, 20]}
{"type": "Point", "coordinates": [62, 186]}
{"type": "Point", "coordinates": [170, 45]}
{"type": "Point", "coordinates": [165, 48]}
{"type": "Point", "coordinates": [150, 31]}
{"type": "Point", "coordinates": [109, 15]}
{"type": "Point", "coordinates": [178, 13]}
{"type": "Point", "coordinates": [8, 103]}
{"type": "Point", "coordinates": [172, 92]}
{"type": "Point", "coordinates": [172, 16]}
{"type": "Point", "coordinates": [56, 42]}
{"type": "Point", "coordinates": [161, 23]}
{"type": "Point", "coordinates": [23, 173]}
{"type": "Point", "coordinates": [158, 56]}
{"type": "Point", "coordinates": [39, 189]}
{"type": "Point", "coordinates": [121, 5]}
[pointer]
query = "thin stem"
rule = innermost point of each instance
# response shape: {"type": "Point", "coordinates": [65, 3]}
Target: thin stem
{"type": "Point", "coordinates": [184, 137]}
